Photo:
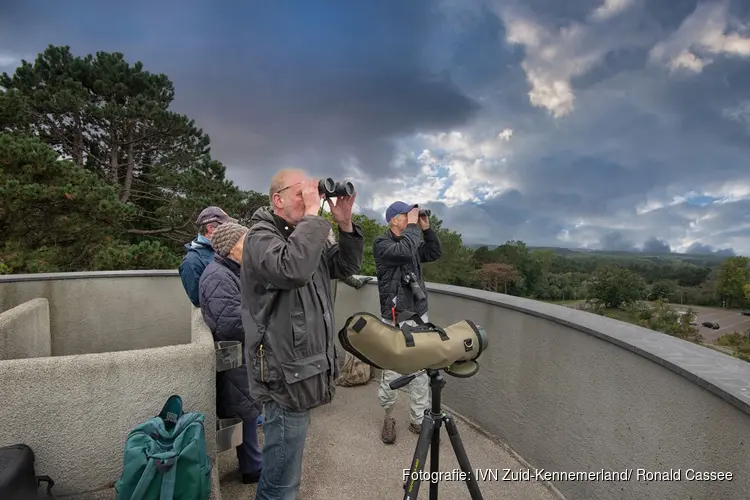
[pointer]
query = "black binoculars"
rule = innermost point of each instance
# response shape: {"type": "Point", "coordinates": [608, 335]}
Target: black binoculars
{"type": "Point", "coordinates": [425, 212]}
{"type": "Point", "coordinates": [332, 189]}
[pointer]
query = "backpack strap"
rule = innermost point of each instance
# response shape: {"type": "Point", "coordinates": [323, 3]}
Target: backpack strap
{"type": "Point", "coordinates": [167, 479]}
{"type": "Point", "coordinates": [148, 475]}
{"type": "Point", "coordinates": [163, 463]}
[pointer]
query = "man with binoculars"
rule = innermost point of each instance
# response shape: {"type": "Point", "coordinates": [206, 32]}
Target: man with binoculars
{"type": "Point", "coordinates": [288, 263]}
{"type": "Point", "coordinates": [399, 254]}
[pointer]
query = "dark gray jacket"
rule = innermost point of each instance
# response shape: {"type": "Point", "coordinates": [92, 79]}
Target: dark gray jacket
{"type": "Point", "coordinates": [287, 307]}
{"type": "Point", "coordinates": [219, 290]}
{"type": "Point", "coordinates": [395, 255]}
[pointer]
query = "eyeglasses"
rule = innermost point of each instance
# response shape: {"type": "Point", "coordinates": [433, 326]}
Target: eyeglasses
{"type": "Point", "coordinates": [287, 187]}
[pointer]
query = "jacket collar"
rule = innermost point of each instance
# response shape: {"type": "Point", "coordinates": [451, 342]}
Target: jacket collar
{"type": "Point", "coordinates": [230, 264]}
{"type": "Point", "coordinates": [267, 216]}
{"type": "Point", "coordinates": [200, 242]}
{"type": "Point", "coordinates": [392, 236]}
{"type": "Point", "coordinates": [283, 226]}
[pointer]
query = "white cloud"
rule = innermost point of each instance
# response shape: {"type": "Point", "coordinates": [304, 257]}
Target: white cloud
{"type": "Point", "coordinates": [689, 61]}
{"type": "Point", "coordinates": [653, 205]}
{"type": "Point", "coordinates": [704, 33]}
{"type": "Point", "coordinates": [553, 57]}
{"type": "Point", "coordinates": [610, 8]}
{"type": "Point", "coordinates": [732, 191]}
{"type": "Point", "coordinates": [475, 169]}
{"type": "Point", "coordinates": [455, 168]}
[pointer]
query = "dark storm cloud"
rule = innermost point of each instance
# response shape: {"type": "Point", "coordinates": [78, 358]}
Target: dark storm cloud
{"type": "Point", "coordinates": [616, 241]}
{"type": "Point", "coordinates": [312, 84]}
{"type": "Point", "coordinates": [654, 245]}
{"type": "Point", "coordinates": [607, 137]}
{"type": "Point", "coordinates": [700, 249]}
{"type": "Point", "coordinates": [283, 83]}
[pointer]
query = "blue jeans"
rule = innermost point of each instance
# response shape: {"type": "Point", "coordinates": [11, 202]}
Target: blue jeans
{"type": "Point", "coordinates": [284, 435]}
{"type": "Point", "coordinates": [248, 453]}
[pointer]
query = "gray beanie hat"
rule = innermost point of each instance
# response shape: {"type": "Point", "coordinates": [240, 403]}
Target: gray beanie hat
{"type": "Point", "coordinates": [226, 236]}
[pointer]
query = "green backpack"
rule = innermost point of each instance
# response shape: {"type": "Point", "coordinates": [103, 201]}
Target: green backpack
{"type": "Point", "coordinates": [165, 458]}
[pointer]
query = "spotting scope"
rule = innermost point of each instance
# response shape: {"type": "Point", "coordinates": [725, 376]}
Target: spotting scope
{"type": "Point", "coordinates": [408, 349]}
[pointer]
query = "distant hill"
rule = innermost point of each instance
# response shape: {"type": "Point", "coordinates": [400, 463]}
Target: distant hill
{"type": "Point", "coordinates": [700, 260]}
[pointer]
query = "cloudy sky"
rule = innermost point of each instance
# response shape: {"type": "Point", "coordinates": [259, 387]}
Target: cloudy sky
{"type": "Point", "coordinates": [607, 124]}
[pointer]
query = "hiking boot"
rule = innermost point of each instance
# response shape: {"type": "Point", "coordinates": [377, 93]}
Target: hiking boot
{"type": "Point", "coordinates": [388, 434]}
{"type": "Point", "coordinates": [415, 428]}
{"type": "Point", "coordinates": [251, 478]}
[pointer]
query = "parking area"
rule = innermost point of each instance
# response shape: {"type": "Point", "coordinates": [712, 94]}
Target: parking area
{"type": "Point", "coordinates": [729, 321]}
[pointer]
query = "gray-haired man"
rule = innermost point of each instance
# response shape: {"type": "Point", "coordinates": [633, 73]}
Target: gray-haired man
{"type": "Point", "coordinates": [199, 252]}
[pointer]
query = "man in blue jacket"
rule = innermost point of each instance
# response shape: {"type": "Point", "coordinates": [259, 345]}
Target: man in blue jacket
{"type": "Point", "coordinates": [200, 252]}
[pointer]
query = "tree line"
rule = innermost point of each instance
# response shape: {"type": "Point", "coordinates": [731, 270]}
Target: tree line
{"type": "Point", "coordinates": [98, 173]}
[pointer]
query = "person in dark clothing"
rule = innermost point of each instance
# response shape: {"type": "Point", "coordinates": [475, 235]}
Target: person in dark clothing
{"type": "Point", "coordinates": [220, 301]}
{"type": "Point", "coordinates": [199, 252]}
{"type": "Point", "coordinates": [287, 310]}
{"type": "Point", "coordinates": [399, 252]}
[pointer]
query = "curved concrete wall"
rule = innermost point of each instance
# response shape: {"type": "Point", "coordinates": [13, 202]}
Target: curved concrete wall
{"type": "Point", "coordinates": [75, 411]}
{"type": "Point", "coordinates": [571, 391]}
{"type": "Point", "coordinates": [24, 331]}
{"type": "Point", "coordinates": [566, 390]}
{"type": "Point", "coordinates": [106, 311]}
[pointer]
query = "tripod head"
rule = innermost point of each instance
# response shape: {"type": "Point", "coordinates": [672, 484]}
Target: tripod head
{"type": "Point", "coordinates": [404, 380]}
{"type": "Point", "coordinates": [463, 369]}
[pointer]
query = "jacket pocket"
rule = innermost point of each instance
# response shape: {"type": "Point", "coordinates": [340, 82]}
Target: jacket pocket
{"type": "Point", "coordinates": [264, 366]}
{"type": "Point", "coordinates": [299, 328]}
{"type": "Point", "coordinates": [307, 381]}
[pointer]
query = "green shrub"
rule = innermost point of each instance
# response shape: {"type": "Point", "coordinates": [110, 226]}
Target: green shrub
{"type": "Point", "coordinates": [731, 339]}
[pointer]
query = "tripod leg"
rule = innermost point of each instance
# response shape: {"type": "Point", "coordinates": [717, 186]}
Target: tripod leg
{"type": "Point", "coordinates": [463, 460]}
{"type": "Point", "coordinates": [435, 458]}
{"type": "Point", "coordinates": [420, 456]}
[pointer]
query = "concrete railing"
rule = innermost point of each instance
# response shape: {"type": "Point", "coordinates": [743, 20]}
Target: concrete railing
{"type": "Point", "coordinates": [76, 407]}
{"type": "Point", "coordinates": [106, 311]}
{"type": "Point", "coordinates": [570, 391]}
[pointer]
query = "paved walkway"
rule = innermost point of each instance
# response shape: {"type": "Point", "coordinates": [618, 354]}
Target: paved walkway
{"type": "Point", "coordinates": [345, 459]}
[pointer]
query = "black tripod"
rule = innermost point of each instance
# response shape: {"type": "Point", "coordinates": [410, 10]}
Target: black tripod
{"type": "Point", "coordinates": [429, 438]}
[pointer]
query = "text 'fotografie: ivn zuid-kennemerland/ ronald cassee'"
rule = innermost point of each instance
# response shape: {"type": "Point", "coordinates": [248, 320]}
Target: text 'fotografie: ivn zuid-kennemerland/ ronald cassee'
{"type": "Point", "coordinates": [545, 475]}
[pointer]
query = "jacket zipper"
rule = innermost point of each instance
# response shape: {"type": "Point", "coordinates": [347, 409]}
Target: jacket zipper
{"type": "Point", "coordinates": [260, 355]}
